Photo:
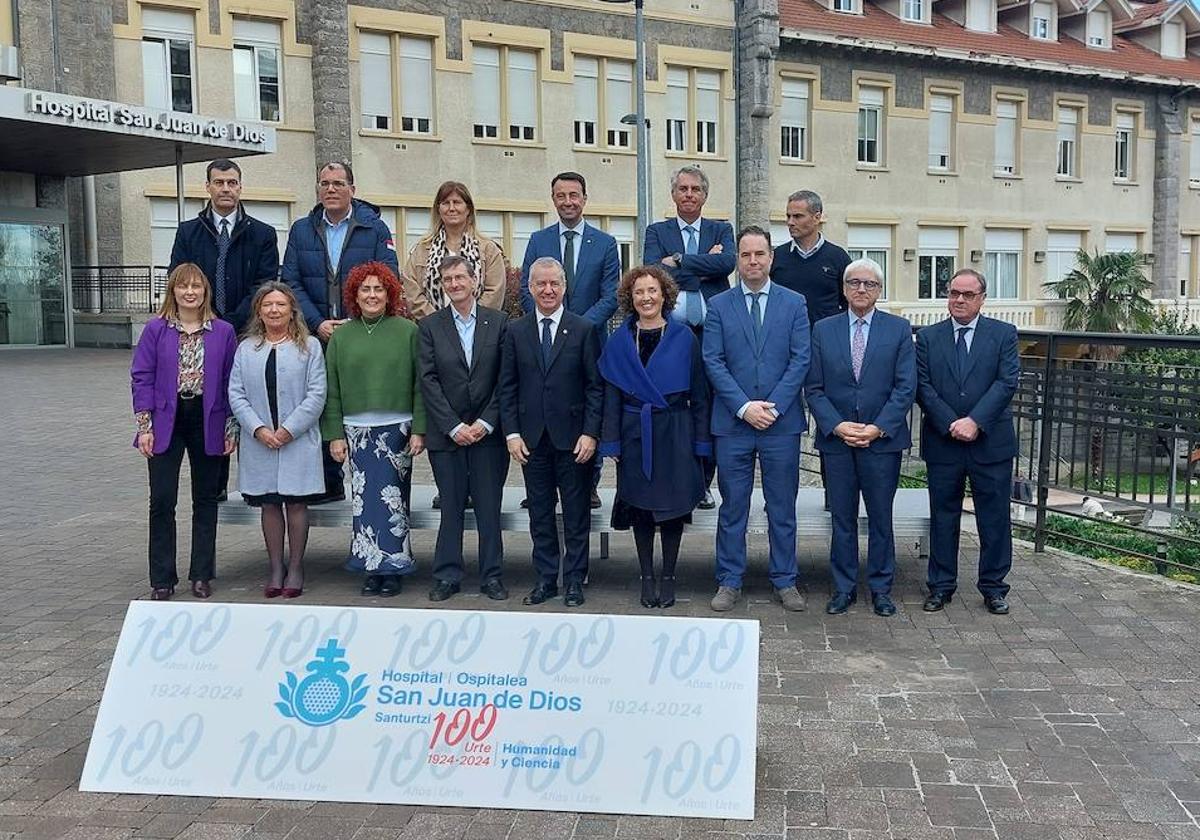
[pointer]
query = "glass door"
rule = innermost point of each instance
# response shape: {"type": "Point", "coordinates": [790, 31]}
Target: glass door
{"type": "Point", "coordinates": [32, 284]}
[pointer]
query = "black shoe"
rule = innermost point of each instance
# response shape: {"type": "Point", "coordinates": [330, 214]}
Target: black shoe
{"type": "Point", "coordinates": [574, 596]}
{"type": "Point", "coordinates": [495, 590]}
{"type": "Point", "coordinates": [223, 496]}
{"type": "Point", "coordinates": [540, 593]}
{"type": "Point", "coordinates": [840, 602]}
{"type": "Point", "coordinates": [995, 604]}
{"type": "Point", "coordinates": [442, 589]}
{"type": "Point", "coordinates": [436, 504]}
{"type": "Point", "coordinates": [329, 498]}
{"type": "Point", "coordinates": [936, 601]}
{"type": "Point", "coordinates": [390, 586]}
{"type": "Point", "coordinates": [708, 502]}
{"type": "Point", "coordinates": [525, 503]}
{"type": "Point", "coordinates": [883, 605]}
{"type": "Point", "coordinates": [649, 599]}
{"type": "Point", "coordinates": [666, 591]}
{"type": "Point", "coordinates": [595, 500]}
{"type": "Point", "coordinates": [371, 585]}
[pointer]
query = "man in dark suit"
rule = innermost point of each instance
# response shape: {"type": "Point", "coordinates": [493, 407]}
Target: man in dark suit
{"type": "Point", "coordinates": [756, 352]}
{"type": "Point", "coordinates": [861, 385]}
{"type": "Point", "coordinates": [967, 372]}
{"type": "Point", "coordinates": [698, 253]}
{"type": "Point", "coordinates": [459, 364]}
{"type": "Point", "coordinates": [551, 398]}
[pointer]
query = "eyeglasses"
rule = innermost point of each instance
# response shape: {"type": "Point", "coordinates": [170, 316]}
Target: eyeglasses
{"type": "Point", "coordinates": [967, 296]}
{"type": "Point", "coordinates": [870, 285]}
{"type": "Point", "coordinates": [337, 185]}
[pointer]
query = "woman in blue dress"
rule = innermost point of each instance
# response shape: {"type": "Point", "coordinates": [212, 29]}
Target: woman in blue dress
{"type": "Point", "coordinates": [656, 424]}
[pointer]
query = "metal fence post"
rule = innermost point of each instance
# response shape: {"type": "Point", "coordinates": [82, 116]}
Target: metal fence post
{"type": "Point", "coordinates": [1045, 420]}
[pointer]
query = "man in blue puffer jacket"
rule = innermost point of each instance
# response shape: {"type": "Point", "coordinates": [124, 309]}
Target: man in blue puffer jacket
{"type": "Point", "coordinates": [340, 233]}
{"type": "Point", "coordinates": [322, 249]}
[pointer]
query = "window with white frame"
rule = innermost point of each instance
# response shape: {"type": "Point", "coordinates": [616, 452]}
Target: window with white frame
{"type": "Point", "coordinates": [693, 99]}
{"type": "Point", "coordinates": [779, 234]}
{"type": "Point", "coordinates": [256, 69]}
{"type": "Point", "coordinates": [1008, 117]}
{"type": "Point", "coordinates": [849, 6]}
{"type": "Point", "coordinates": [1068, 141]}
{"type": "Point", "coordinates": [1099, 26]}
{"type": "Point", "coordinates": [622, 229]}
{"type": "Point", "coordinates": [793, 119]}
{"type": "Point", "coordinates": [873, 242]}
{"type": "Point", "coordinates": [1120, 242]}
{"type": "Point", "coordinates": [1173, 38]}
{"type": "Point", "coordinates": [941, 132]}
{"type": "Point", "coordinates": [1062, 253]}
{"type": "Point", "coordinates": [416, 85]}
{"type": "Point", "coordinates": [168, 43]}
{"type": "Point", "coordinates": [164, 221]}
{"type": "Point", "coordinates": [514, 71]}
{"type": "Point", "coordinates": [870, 125]}
{"type": "Point", "coordinates": [1185, 265]}
{"type": "Point", "coordinates": [1124, 146]}
{"type": "Point", "coordinates": [511, 231]}
{"type": "Point", "coordinates": [407, 224]}
{"type": "Point", "coordinates": [375, 80]}
{"type": "Point", "coordinates": [1002, 252]}
{"type": "Point", "coordinates": [614, 99]}
{"type": "Point", "coordinates": [1194, 154]}
{"type": "Point", "coordinates": [937, 255]}
{"type": "Point", "coordinates": [1040, 18]}
{"type": "Point", "coordinates": [913, 10]}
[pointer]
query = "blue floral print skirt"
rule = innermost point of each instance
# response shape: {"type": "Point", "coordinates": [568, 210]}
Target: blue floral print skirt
{"type": "Point", "coordinates": [380, 488]}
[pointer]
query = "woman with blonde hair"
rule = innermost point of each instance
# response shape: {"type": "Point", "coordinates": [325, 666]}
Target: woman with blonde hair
{"type": "Point", "coordinates": [452, 232]}
{"type": "Point", "coordinates": [180, 379]}
{"type": "Point", "coordinates": [277, 392]}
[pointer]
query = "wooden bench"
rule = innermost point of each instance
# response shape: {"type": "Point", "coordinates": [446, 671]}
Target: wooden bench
{"type": "Point", "coordinates": [910, 515]}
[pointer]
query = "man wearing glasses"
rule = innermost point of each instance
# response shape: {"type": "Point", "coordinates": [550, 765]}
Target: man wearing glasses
{"type": "Point", "coordinates": [340, 233]}
{"type": "Point", "coordinates": [860, 387]}
{"type": "Point", "coordinates": [967, 371]}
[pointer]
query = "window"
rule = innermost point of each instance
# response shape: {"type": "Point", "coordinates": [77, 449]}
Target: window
{"type": "Point", "coordinates": [614, 101]}
{"type": "Point", "coordinates": [1007, 125]}
{"type": "Point", "coordinates": [874, 242]}
{"type": "Point", "coordinates": [870, 126]}
{"type": "Point", "coordinates": [941, 131]}
{"type": "Point", "coordinates": [1062, 249]}
{"type": "Point", "coordinates": [375, 80]}
{"type": "Point", "coordinates": [1173, 39]}
{"type": "Point", "coordinates": [1002, 262]}
{"type": "Point", "coordinates": [621, 228]}
{"type": "Point", "coordinates": [1194, 155]}
{"type": "Point", "coordinates": [845, 6]}
{"type": "Point", "coordinates": [511, 231]}
{"type": "Point", "coordinates": [693, 98]}
{"type": "Point", "coordinates": [937, 253]}
{"type": "Point", "coordinates": [407, 224]}
{"type": "Point", "coordinates": [415, 103]}
{"type": "Point", "coordinates": [1040, 15]}
{"type": "Point", "coordinates": [256, 69]}
{"type": "Point", "coordinates": [1120, 243]}
{"type": "Point", "coordinates": [1098, 23]}
{"type": "Point", "coordinates": [913, 10]}
{"type": "Point", "coordinates": [793, 120]}
{"type": "Point", "coordinates": [1068, 141]}
{"type": "Point", "coordinates": [779, 234]}
{"type": "Point", "coordinates": [515, 72]}
{"type": "Point", "coordinates": [1123, 147]}
{"type": "Point", "coordinates": [416, 85]}
{"type": "Point", "coordinates": [1185, 265]}
{"type": "Point", "coordinates": [167, 59]}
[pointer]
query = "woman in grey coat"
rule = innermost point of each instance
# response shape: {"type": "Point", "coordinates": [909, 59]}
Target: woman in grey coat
{"type": "Point", "coordinates": [277, 391]}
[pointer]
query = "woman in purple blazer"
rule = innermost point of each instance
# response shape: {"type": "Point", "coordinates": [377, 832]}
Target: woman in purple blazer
{"type": "Point", "coordinates": [180, 376]}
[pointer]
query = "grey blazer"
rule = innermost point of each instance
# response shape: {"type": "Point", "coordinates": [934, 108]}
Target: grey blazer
{"type": "Point", "coordinates": [295, 469]}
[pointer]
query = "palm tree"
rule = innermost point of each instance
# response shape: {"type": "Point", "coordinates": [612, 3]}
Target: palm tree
{"type": "Point", "coordinates": [1105, 293]}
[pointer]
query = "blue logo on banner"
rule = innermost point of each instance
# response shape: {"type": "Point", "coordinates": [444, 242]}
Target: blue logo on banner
{"type": "Point", "coordinates": [324, 696]}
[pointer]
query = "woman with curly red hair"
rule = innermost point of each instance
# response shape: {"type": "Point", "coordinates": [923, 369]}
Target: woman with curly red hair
{"type": "Point", "coordinates": [374, 418]}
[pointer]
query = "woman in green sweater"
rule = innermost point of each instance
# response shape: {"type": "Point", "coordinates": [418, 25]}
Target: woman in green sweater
{"type": "Point", "coordinates": [374, 418]}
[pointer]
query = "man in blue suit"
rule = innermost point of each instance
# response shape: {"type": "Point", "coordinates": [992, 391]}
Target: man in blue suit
{"type": "Point", "coordinates": [698, 253]}
{"type": "Point", "coordinates": [588, 255]}
{"type": "Point", "coordinates": [861, 385]}
{"type": "Point", "coordinates": [756, 352]}
{"type": "Point", "coordinates": [967, 372]}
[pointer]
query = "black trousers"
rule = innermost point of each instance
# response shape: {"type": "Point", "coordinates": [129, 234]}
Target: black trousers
{"type": "Point", "coordinates": [547, 469]}
{"type": "Point", "coordinates": [477, 471]}
{"type": "Point", "coordinates": [991, 491]}
{"type": "Point", "coordinates": [335, 483]}
{"type": "Point", "coordinates": [187, 436]}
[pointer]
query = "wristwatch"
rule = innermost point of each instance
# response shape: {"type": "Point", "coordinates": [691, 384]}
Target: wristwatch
{"type": "Point", "coordinates": [678, 257]}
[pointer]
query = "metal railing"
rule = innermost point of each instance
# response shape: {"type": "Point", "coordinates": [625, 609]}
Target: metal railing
{"type": "Point", "coordinates": [117, 288]}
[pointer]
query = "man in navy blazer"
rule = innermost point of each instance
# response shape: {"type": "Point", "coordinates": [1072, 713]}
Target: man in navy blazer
{"type": "Point", "coordinates": [756, 352]}
{"type": "Point", "coordinates": [861, 385]}
{"type": "Point", "coordinates": [587, 254]}
{"type": "Point", "coordinates": [967, 372]}
{"type": "Point", "coordinates": [551, 398]}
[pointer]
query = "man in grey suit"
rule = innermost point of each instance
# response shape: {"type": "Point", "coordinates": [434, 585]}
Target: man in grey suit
{"type": "Point", "coordinates": [459, 365]}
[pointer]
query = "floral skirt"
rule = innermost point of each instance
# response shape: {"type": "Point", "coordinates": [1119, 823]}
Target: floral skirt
{"type": "Point", "coordinates": [380, 487]}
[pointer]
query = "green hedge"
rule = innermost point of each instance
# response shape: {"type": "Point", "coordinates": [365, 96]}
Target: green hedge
{"type": "Point", "coordinates": [1117, 543]}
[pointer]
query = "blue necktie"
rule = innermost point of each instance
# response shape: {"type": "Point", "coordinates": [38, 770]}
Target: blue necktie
{"type": "Point", "coordinates": [692, 307]}
{"type": "Point", "coordinates": [547, 341]}
{"type": "Point", "coordinates": [756, 316]}
{"type": "Point", "coordinates": [219, 279]}
{"type": "Point", "coordinates": [960, 351]}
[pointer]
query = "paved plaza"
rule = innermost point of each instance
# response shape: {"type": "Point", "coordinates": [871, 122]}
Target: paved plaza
{"type": "Point", "coordinates": [1071, 718]}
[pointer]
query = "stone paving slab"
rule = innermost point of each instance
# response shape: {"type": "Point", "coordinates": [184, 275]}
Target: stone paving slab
{"type": "Point", "coordinates": [1074, 718]}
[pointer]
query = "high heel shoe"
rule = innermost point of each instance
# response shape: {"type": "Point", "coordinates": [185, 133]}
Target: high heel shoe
{"type": "Point", "coordinates": [272, 591]}
{"type": "Point", "coordinates": [649, 601]}
{"type": "Point", "coordinates": [289, 592]}
{"type": "Point", "coordinates": [666, 591]}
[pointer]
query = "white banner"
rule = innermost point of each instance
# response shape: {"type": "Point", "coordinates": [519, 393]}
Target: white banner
{"type": "Point", "coordinates": [596, 713]}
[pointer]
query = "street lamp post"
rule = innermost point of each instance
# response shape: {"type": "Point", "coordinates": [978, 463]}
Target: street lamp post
{"type": "Point", "coordinates": [639, 118]}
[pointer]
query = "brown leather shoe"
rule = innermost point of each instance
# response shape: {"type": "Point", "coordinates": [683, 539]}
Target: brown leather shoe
{"type": "Point", "coordinates": [201, 589]}
{"type": "Point", "coordinates": [162, 594]}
